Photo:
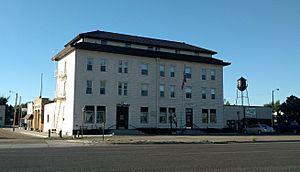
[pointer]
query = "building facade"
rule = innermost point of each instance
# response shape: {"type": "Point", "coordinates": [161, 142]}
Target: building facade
{"type": "Point", "coordinates": [130, 82]}
{"type": "Point", "coordinates": [235, 115]}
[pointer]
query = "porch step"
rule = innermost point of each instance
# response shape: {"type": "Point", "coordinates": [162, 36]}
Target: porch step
{"type": "Point", "coordinates": [127, 132]}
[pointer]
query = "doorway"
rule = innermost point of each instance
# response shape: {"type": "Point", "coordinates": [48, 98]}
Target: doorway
{"type": "Point", "coordinates": [122, 117]}
{"type": "Point", "coordinates": [189, 117]}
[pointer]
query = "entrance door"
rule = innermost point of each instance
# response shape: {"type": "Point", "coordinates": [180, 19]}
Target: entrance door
{"type": "Point", "coordinates": [122, 117]}
{"type": "Point", "coordinates": [189, 117]}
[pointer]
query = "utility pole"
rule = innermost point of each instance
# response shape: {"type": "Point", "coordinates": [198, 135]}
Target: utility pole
{"type": "Point", "coordinates": [20, 112]}
{"type": "Point", "coordinates": [15, 111]}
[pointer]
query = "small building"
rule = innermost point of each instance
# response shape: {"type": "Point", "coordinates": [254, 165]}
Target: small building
{"type": "Point", "coordinates": [49, 120]}
{"type": "Point", "coordinates": [2, 115]}
{"type": "Point", "coordinates": [38, 113]}
{"type": "Point", "coordinates": [235, 115]}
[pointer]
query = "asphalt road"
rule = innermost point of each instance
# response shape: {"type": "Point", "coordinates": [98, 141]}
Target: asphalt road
{"type": "Point", "coordinates": [169, 157]}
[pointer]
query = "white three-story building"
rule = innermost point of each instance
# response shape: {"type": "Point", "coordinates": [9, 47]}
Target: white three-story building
{"type": "Point", "coordinates": [132, 82]}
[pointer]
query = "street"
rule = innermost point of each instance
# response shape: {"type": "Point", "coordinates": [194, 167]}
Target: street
{"type": "Point", "coordinates": [277, 156]}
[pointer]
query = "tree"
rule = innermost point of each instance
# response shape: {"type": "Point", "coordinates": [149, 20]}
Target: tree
{"type": "Point", "coordinates": [226, 102]}
{"type": "Point", "coordinates": [276, 106]}
{"type": "Point", "coordinates": [291, 109]}
{"type": "Point", "coordinates": [3, 100]}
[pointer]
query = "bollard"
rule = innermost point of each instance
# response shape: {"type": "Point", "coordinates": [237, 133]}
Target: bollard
{"type": "Point", "coordinates": [49, 133]}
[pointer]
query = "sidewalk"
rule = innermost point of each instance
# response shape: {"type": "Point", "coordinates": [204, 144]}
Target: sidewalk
{"type": "Point", "coordinates": [163, 139]}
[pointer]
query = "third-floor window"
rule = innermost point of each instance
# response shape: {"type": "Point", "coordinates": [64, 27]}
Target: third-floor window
{"type": "Point", "coordinates": [103, 65]}
{"type": "Point", "coordinates": [144, 69]}
{"type": "Point", "coordinates": [123, 66]}
{"type": "Point", "coordinates": [89, 64]}
{"type": "Point", "coordinates": [162, 70]}
{"type": "Point", "coordinates": [188, 72]}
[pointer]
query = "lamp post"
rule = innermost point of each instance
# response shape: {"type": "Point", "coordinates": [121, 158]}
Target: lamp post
{"type": "Point", "coordinates": [15, 109]}
{"type": "Point", "coordinates": [273, 91]}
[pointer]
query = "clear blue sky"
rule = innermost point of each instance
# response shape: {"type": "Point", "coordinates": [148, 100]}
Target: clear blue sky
{"type": "Point", "coordinates": [260, 38]}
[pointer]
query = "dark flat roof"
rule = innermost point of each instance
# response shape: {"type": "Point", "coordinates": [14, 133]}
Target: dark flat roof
{"type": "Point", "coordinates": [137, 52]}
{"type": "Point", "coordinates": [140, 40]}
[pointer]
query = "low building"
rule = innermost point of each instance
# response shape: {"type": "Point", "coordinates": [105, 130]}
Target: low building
{"type": "Point", "coordinates": [38, 113]}
{"type": "Point", "coordinates": [2, 115]}
{"type": "Point", "coordinates": [49, 119]}
{"type": "Point", "coordinates": [235, 115]}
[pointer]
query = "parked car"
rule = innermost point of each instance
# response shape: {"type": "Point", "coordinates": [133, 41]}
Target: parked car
{"type": "Point", "coordinates": [258, 129]}
{"type": "Point", "coordinates": [292, 127]}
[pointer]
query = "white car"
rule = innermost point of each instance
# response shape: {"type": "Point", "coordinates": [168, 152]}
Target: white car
{"type": "Point", "coordinates": [258, 129]}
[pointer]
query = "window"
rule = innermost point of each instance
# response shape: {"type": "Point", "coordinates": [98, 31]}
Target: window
{"type": "Point", "coordinates": [203, 74]}
{"type": "Point", "coordinates": [172, 91]}
{"type": "Point", "coordinates": [123, 67]}
{"type": "Point", "coordinates": [213, 74]}
{"type": "Point", "coordinates": [101, 114]}
{"type": "Point", "coordinates": [144, 69]}
{"type": "Point", "coordinates": [213, 116]}
{"type": "Point", "coordinates": [188, 92]}
{"type": "Point", "coordinates": [205, 116]}
{"type": "Point", "coordinates": [213, 93]}
{"type": "Point", "coordinates": [150, 48]}
{"type": "Point", "coordinates": [162, 70]}
{"type": "Point", "coordinates": [162, 115]}
{"type": "Point", "coordinates": [188, 72]}
{"type": "Point", "coordinates": [203, 91]}
{"type": "Point", "coordinates": [89, 85]}
{"type": "Point", "coordinates": [128, 45]}
{"type": "Point", "coordinates": [47, 118]}
{"type": "Point", "coordinates": [144, 115]}
{"type": "Point", "coordinates": [196, 53]}
{"type": "Point", "coordinates": [103, 65]}
{"type": "Point", "coordinates": [172, 116]}
{"type": "Point", "coordinates": [157, 49]}
{"type": "Point", "coordinates": [89, 115]}
{"type": "Point", "coordinates": [125, 89]}
{"type": "Point", "coordinates": [104, 42]}
{"type": "Point", "coordinates": [172, 71]}
{"type": "Point", "coordinates": [144, 90]}
{"type": "Point", "coordinates": [102, 87]}
{"type": "Point", "coordinates": [120, 88]}
{"type": "Point", "coordinates": [177, 51]}
{"type": "Point", "coordinates": [89, 64]}
{"type": "Point", "coordinates": [162, 90]}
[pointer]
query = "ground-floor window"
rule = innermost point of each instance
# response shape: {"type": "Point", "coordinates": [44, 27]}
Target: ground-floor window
{"type": "Point", "coordinates": [213, 116]}
{"type": "Point", "coordinates": [89, 115]}
{"type": "Point", "coordinates": [144, 114]}
{"type": "Point", "coordinates": [205, 116]}
{"type": "Point", "coordinates": [100, 115]}
{"type": "Point", "coordinates": [162, 115]}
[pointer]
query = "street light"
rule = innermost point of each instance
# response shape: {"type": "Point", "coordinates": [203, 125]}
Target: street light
{"type": "Point", "coordinates": [273, 96]}
{"type": "Point", "coordinates": [15, 110]}
{"type": "Point", "coordinates": [273, 91]}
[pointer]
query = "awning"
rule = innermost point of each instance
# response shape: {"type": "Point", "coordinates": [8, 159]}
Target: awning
{"type": "Point", "coordinates": [28, 116]}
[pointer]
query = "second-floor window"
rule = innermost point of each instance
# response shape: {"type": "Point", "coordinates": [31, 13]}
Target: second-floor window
{"type": "Point", "coordinates": [103, 65]}
{"type": "Point", "coordinates": [122, 88]}
{"type": "Point", "coordinates": [144, 69]}
{"type": "Point", "coordinates": [162, 70]}
{"type": "Point", "coordinates": [162, 90]}
{"type": "Point", "coordinates": [213, 93]}
{"type": "Point", "coordinates": [188, 72]}
{"type": "Point", "coordinates": [102, 87]}
{"type": "Point", "coordinates": [89, 64]}
{"type": "Point", "coordinates": [203, 92]}
{"type": "Point", "coordinates": [188, 92]}
{"type": "Point", "coordinates": [172, 91]}
{"type": "Point", "coordinates": [123, 66]}
{"type": "Point", "coordinates": [144, 90]}
{"type": "Point", "coordinates": [89, 87]}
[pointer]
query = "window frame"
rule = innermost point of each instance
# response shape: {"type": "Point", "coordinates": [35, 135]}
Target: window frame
{"type": "Point", "coordinates": [89, 87]}
{"type": "Point", "coordinates": [188, 75]}
{"type": "Point", "coordinates": [144, 115]}
{"type": "Point", "coordinates": [188, 92]}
